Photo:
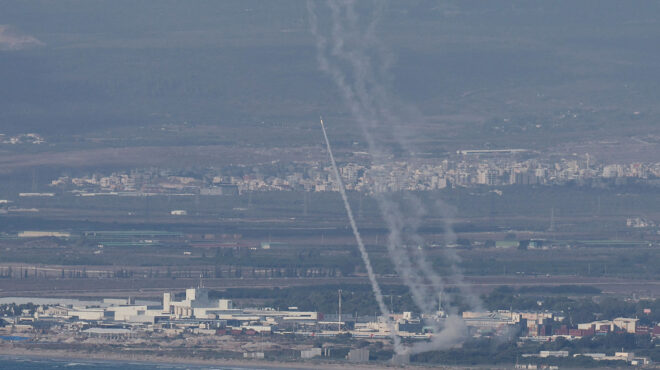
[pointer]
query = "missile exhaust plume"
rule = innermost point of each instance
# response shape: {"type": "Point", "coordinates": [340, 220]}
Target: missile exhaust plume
{"type": "Point", "coordinates": [358, 238]}
{"type": "Point", "coordinates": [349, 52]}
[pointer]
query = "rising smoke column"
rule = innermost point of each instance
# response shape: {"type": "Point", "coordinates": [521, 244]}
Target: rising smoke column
{"type": "Point", "coordinates": [349, 52]}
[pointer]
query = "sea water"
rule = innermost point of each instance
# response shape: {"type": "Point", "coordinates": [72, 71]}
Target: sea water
{"type": "Point", "coordinates": [35, 363]}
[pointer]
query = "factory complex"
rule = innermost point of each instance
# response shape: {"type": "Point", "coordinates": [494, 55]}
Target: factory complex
{"type": "Point", "coordinates": [195, 320]}
{"type": "Point", "coordinates": [195, 312]}
{"type": "Point", "coordinates": [198, 314]}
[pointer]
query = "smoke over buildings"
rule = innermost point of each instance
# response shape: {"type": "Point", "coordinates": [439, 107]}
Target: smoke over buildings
{"type": "Point", "coordinates": [349, 51]}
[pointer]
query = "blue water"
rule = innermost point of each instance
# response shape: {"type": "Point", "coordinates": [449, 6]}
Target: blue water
{"type": "Point", "coordinates": [30, 363]}
{"type": "Point", "coordinates": [14, 338]}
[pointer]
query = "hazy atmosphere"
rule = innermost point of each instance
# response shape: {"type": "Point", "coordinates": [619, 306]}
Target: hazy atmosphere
{"type": "Point", "coordinates": [329, 184]}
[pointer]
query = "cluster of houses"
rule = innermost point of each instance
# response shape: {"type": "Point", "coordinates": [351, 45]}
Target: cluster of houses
{"type": "Point", "coordinates": [628, 357]}
{"type": "Point", "coordinates": [542, 325]}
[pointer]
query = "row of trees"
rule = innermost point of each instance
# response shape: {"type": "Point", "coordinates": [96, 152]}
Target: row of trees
{"type": "Point", "coordinates": [217, 271]}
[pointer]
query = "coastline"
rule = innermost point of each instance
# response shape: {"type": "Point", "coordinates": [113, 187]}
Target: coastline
{"type": "Point", "coordinates": [70, 355]}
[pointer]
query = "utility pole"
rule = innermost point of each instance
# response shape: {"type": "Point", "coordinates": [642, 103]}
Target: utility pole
{"type": "Point", "coordinates": [34, 180]}
{"type": "Point", "coordinates": [588, 161]}
{"type": "Point", "coordinates": [360, 215]}
{"type": "Point", "coordinates": [339, 321]}
{"type": "Point", "coordinates": [147, 207]}
{"type": "Point", "coordinates": [305, 203]}
{"type": "Point", "coordinates": [552, 219]}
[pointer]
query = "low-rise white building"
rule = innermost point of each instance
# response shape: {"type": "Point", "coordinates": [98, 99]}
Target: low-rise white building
{"type": "Point", "coordinates": [134, 313]}
{"type": "Point", "coordinates": [621, 323]}
{"type": "Point", "coordinates": [87, 314]}
{"type": "Point", "coordinates": [196, 304]}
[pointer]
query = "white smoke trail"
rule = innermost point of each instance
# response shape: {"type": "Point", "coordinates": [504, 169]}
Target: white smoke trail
{"type": "Point", "coordinates": [363, 250]}
{"type": "Point", "coordinates": [11, 39]}
{"type": "Point", "coordinates": [352, 56]}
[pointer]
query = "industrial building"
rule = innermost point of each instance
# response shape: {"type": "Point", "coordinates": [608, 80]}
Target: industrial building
{"type": "Point", "coordinates": [195, 305]}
